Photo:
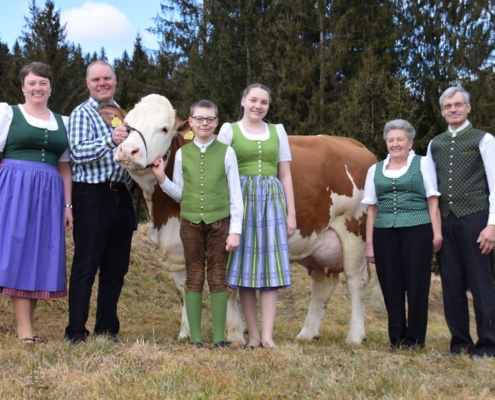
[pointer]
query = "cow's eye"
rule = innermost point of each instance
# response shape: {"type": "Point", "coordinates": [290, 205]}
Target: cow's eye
{"type": "Point", "coordinates": [165, 130]}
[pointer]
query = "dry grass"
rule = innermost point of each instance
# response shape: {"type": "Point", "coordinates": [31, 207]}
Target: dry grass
{"type": "Point", "coordinates": [154, 365]}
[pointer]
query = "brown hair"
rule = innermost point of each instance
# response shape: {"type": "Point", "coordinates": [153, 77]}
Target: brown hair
{"type": "Point", "coordinates": [204, 104]}
{"type": "Point", "coordinates": [246, 91]}
{"type": "Point", "coordinates": [36, 68]}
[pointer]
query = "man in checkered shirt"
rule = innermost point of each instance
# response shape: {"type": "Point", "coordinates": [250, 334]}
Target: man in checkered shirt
{"type": "Point", "coordinates": [103, 211]}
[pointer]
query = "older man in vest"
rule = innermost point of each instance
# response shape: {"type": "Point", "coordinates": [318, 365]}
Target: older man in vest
{"type": "Point", "coordinates": [464, 159]}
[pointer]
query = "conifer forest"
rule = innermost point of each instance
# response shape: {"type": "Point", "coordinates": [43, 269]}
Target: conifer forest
{"type": "Point", "coordinates": [336, 67]}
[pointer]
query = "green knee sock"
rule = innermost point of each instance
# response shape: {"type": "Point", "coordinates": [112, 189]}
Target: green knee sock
{"type": "Point", "coordinates": [194, 305]}
{"type": "Point", "coordinates": [218, 303]}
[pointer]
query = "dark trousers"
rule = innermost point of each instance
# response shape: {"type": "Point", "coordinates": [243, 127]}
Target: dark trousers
{"type": "Point", "coordinates": [204, 246]}
{"type": "Point", "coordinates": [403, 266]}
{"type": "Point", "coordinates": [462, 268]}
{"type": "Point", "coordinates": [103, 228]}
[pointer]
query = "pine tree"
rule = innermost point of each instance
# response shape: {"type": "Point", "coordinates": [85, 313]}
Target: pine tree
{"type": "Point", "coordinates": [123, 72]}
{"type": "Point", "coordinates": [75, 88]}
{"type": "Point", "coordinates": [137, 76]}
{"type": "Point", "coordinates": [45, 40]}
{"type": "Point", "coordinates": [444, 43]}
{"type": "Point", "coordinates": [12, 90]}
{"type": "Point", "coordinates": [372, 98]}
{"type": "Point", "coordinates": [5, 61]}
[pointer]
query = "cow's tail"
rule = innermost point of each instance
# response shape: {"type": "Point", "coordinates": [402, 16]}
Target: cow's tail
{"type": "Point", "coordinates": [376, 297]}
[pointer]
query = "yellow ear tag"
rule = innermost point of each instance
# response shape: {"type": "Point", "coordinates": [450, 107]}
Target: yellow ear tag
{"type": "Point", "coordinates": [189, 135]}
{"type": "Point", "coordinates": [116, 122]}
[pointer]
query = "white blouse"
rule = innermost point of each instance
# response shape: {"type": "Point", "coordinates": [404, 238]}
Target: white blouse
{"type": "Point", "coordinates": [429, 178]}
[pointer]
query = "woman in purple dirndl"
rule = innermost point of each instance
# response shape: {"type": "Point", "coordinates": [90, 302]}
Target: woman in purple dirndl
{"type": "Point", "coordinates": [262, 259]}
{"type": "Point", "coordinates": [35, 184]}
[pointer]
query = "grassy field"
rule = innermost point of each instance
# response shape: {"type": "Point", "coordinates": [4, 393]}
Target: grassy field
{"type": "Point", "coordinates": [153, 364]}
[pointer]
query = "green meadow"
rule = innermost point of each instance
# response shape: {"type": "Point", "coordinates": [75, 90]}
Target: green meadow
{"type": "Point", "coordinates": [153, 364]}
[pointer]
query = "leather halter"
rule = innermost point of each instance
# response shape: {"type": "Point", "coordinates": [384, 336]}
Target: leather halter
{"type": "Point", "coordinates": [164, 157]}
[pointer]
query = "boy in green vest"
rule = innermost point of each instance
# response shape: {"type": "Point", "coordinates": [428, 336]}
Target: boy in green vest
{"type": "Point", "coordinates": [206, 183]}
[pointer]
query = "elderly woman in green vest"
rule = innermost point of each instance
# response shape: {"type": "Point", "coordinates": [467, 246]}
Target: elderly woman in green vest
{"type": "Point", "coordinates": [402, 231]}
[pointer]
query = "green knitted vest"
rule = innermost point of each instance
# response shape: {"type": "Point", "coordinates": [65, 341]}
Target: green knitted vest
{"type": "Point", "coordinates": [401, 201]}
{"type": "Point", "coordinates": [256, 157]}
{"type": "Point", "coordinates": [28, 143]}
{"type": "Point", "coordinates": [205, 195]}
{"type": "Point", "coordinates": [460, 172]}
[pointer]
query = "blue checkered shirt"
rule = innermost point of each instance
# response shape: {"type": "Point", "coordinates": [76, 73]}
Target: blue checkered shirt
{"type": "Point", "coordinates": [91, 146]}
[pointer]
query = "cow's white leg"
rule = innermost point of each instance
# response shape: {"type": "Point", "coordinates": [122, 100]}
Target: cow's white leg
{"type": "Point", "coordinates": [180, 281]}
{"type": "Point", "coordinates": [322, 289]}
{"type": "Point", "coordinates": [235, 325]}
{"type": "Point", "coordinates": [356, 272]}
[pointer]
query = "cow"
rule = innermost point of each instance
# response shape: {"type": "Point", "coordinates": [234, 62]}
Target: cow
{"type": "Point", "coordinates": [328, 174]}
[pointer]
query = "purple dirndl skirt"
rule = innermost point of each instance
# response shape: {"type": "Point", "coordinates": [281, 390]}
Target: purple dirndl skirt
{"type": "Point", "coordinates": [262, 259]}
{"type": "Point", "coordinates": [32, 237]}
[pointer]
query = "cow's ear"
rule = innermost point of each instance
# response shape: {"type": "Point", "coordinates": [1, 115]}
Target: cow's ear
{"type": "Point", "coordinates": [182, 127]}
{"type": "Point", "coordinates": [111, 114]}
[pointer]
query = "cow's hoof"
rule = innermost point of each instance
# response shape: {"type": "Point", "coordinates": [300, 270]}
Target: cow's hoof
{"type": "Point", "coordinates": [238, 343]}
{"type": "Point", "coordinates": [307, 338]}
{"type": "Point", "coordinates": [350, 340]}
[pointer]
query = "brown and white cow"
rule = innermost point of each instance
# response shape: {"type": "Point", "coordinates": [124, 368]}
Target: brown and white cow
{"type": "Point", "coordinates": [328, 175]}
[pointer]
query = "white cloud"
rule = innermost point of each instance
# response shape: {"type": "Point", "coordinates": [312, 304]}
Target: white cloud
{"type": "Point", "coordinates": [149, 40]}
{"type": "Point", "coordinates": [95, 25]}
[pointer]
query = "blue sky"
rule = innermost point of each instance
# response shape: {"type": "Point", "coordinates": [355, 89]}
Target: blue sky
{"type": "Point", "coordinates": [113, 24]}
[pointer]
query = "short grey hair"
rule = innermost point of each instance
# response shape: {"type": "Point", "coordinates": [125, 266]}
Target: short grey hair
{"type": "Point", "coordinates": [100, 62]}
{"type": "Point", "coordinates": [399, 124]}
{"type": "Point", "coordinates": [451, 91]}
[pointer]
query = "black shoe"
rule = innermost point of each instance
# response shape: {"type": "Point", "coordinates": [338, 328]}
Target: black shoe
{"type": "Point", "coordinates": [476, 356]}
{"type": "Point", "coordinates": [452, 354]}
{"type": "Point", "coordinates": [414, 346]}
{"type": "Point", "coordinates": [221, 344]}
{"type": "Point", "coordinates": [76, 339]}
{"type": "Point", "coordinates": [115, 340]}
{"type": "Point", "coordinates": [198, 345]}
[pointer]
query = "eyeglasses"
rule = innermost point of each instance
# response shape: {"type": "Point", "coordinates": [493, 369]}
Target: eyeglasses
{"type": "Point", "coordinates": [459, 104]}
{"type": "Point", "coordinates": [210, 120]}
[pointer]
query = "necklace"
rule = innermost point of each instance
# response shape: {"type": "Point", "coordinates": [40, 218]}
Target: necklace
{"type": "Point", "coordinates": [254, 132]}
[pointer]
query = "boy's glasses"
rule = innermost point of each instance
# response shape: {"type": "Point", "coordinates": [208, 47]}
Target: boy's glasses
{"type": "Point", "coordinates": [199, 120]}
